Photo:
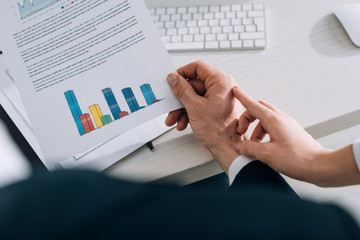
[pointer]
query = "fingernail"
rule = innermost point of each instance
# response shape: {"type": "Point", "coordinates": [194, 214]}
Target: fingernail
{"type": "Point", "coordinates": [172, 80]}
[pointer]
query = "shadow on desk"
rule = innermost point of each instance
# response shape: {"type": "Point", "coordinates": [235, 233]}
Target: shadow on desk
{"type": "Point", "coordinates": [24, 146]}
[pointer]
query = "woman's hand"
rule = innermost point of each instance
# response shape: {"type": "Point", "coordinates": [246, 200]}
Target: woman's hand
{"type": "Point", "coordinates": [291, 150]}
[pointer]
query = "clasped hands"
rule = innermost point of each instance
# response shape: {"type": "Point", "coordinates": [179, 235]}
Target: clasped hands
{"type": "Point", "coordinates": [220, 113]}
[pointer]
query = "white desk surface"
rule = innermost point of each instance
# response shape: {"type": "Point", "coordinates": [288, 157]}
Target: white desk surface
{"type": "Point", "coordinates": [310, 69]}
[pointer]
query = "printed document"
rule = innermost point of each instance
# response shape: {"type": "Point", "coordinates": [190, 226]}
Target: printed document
{"type": "Point", "coordinates": [86, 70]}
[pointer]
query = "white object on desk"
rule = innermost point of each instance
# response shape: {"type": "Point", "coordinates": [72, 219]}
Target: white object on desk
{"type": "Point", "coordinates": [349, 16]}
{"type": "Point", "coordinates": [211, 27]}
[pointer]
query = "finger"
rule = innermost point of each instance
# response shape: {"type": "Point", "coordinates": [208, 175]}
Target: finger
{"type": "Point", "coordinates": [198, 86]}
{"type": "Point", "coordinates": [255, 109]}
{"type": "Point", "coordinates": [200, 69]}
{"type": "Point", "coordinates": [258, 133]}
{"type": "Point", "coordinates": [258, 150]}
{"type": "Point", "coordinates": [173, 117]}
{"type": "Point", "coordinates": [244, 122]}
{"type": "Point", "coordinates": [183, 90]}
{"type": "Point", "coordinates": [183, 122]}
{"type": "Point", "coordinates": [269, 105]}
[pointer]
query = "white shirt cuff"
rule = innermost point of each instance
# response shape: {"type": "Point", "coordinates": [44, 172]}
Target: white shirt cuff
{"type": "Point", "coordinates": [356, 150]}
{"type": "Point", "coordinates": [239, 163]}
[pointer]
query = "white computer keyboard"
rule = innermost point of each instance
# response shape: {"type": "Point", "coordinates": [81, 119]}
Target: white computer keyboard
{"type": "Point", "coordinates": [212, 27]}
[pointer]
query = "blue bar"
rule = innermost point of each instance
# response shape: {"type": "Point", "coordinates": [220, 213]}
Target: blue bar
{"type": "Point", "coordinates": [111, 101]}
{"type": "Point", "coordinates": [148, 94]}
{"type": "Point", "coordinates": [131, 100]}
{"type": "Point", "coordinates": [75, 110]}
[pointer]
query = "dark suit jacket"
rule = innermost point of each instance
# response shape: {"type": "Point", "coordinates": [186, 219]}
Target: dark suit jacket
{"type": "Point", "coordinates": [86, 205]}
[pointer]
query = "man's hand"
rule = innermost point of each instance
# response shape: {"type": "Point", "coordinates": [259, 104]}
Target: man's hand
{"type": "Point", "coordinates": [291, 150]}
{"type": "Point", "coordinates": [210, 108]}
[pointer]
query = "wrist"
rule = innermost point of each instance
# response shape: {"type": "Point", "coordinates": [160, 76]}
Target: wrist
{"type": "Point", "coordinates": [224, 155]}
{"type": "Point", "coordinates": [337, 168]}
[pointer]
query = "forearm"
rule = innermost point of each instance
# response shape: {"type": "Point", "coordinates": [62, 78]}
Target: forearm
{"type": "Point", "coordinates": [336, 168]}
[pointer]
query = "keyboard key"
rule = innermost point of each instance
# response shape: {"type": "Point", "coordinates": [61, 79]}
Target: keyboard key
{"type": "Point", "coordinates": [222, 37]}
{"type": "Point", "coordinates": [219, 15]}
{"type": "Point", "coordinates": [205, 30]}
{"type": "Point", "coordinates": [235, 21]}
{"type": "Point", "coordinates": [165, 39]}
{"type": "Point", "coordinates": [180, 24]}
{"type": "Point", "coordinates": [203, 23]}
{"type": "Point", "coordinates": [255, 35]}
{"type": "Point", "coordinates": [255, 13]}
{"type": "Point", "coordinates": [184, 46]}
{"type": "Point", "coordinates": [171, 31]}
{"type": "Point", "coordinates": [260, 44]}
{"type": "Point", "coordinates": [183, 31]}
{"type": "Point", "coordinates": [214, 22]}
{"type": "Point", "coordinates": [250, 28]}
{"type": "Point", "coordinates": [176, 17]}
{"type": "Point", "coordinates": [160, 11]}
{"type": "Point", "coordinates": [188, 38]}
{"type": "Point", "coordinates": [236, 44]}
{"type": "Point", "coordinates": [199, 38]}
{"type": "Point", "coordinates": [210, 37]}
{"type": "Point", "coordinates": [225, 22]}
{"type": "Point", "coordinates": [169, 24]}
{"type": "Point", "coordinates": [247, 7]}
{"type": "Point", "coordinates": [165, 18]}
{"type": "Point", "coordinates": [225, 44]}
{"type": "Point", "coordinates": [241, 14]}
{"type": "Point", "coordinates": [215, 8]}
{"type": "Point", "coordinates": [211, 45]}
{"type": "Point", "coordinates": [228, 29]}
{"type": "Point", "coordinates": [216, 29]}
{"type": "Point", "coordinates": [247, 21]}
{"type": "Point", "coordinates": [193, 9]}
{"type": "Point", "coordinates": [171, 10]}
{"type": "Point", "coordinates": [176, 38]}
{"type": "Point", "coordinates": [186, 17]}
{"type": "Point", "coordinates": [208, 16]}
{"type": "Point", "coordinates": [233, 36]}
{"type": "Point", "coordinates": [191, 23]}
{"type": "Point", "coordinates": [230, 15]}
{"type": "Point", "coordinates": [248, 44]}
{"type": "Point", "coordinates": [239, 29]}
{"type": "Point", "coordinates": [182, 10]}
{"type": "Point", "coordinates": [197, 16]}
{"type": "Point", "coordinates": [258, 6]}
{"type": "Point", "coordinates": [225, 8]}
{"type": "Point", "coordinates": [194, 30]}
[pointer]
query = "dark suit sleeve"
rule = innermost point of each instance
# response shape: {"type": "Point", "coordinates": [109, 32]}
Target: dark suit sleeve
{"type": "Point", "coordinates": [260, 176]}
{"type": "Point", "coordinates": [86, 205]}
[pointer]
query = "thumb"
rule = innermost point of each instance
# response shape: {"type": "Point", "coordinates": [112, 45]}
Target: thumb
{"type": "Point", "coordinates": [261, 151]}
{"type": "Point", "coordinates": [182, 89]}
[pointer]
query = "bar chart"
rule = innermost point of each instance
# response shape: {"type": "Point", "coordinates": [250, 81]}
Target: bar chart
{"type": "Point", "coordinates": [96, 118]}
{"type": "Point", "coordinates": [27, 7]}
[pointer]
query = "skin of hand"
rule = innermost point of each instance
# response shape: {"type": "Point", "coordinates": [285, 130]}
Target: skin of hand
{"type": "Point", "coordinates": [291, 150]}
{"type": "Point", "coordinates": [209, 107]}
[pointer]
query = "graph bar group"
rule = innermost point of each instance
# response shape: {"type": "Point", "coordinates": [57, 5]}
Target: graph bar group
{"type": "Point", "coordinates": [85, 123]}
{"type": "Point", "coordinates": [27, 7]}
